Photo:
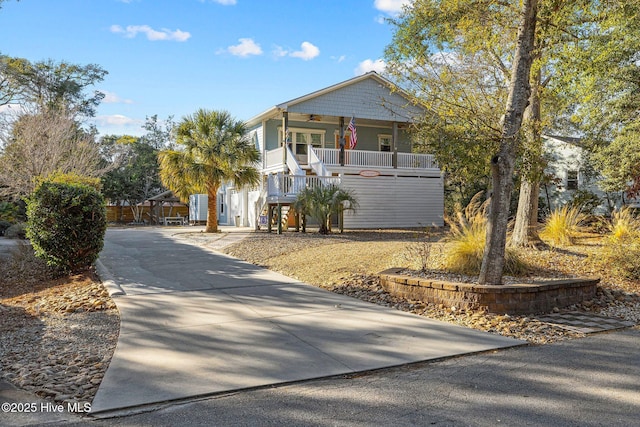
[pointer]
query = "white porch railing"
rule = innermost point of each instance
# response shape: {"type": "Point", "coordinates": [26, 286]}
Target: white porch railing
{"type": "Point", "coordinates": [281, 185]}
{"type": "Point", "coordinates": [273, 159]}
{"type": "Point", "coordinates": [331, 157]}
{"type": "Point", "coordinates": [292, 163]}
{"type": "Point", "coordinates": [416, 161]}
{"type": "Point", "coordinates": [375, 159]}
{"type": "Point", "coordinates": [315, 163]}
{"type": "Point", "coordinates": [319, 157]}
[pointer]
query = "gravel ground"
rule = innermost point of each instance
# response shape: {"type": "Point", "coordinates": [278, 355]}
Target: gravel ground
{"type": "Point", "coordinates": [58, 335]}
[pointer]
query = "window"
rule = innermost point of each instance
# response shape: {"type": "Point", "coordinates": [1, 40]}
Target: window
{"type": "Point", "coordinates": [572, 180]}
{"type": "Point", "coordinates": [301, 137]}
{"type": "Point", "coordinates": [384, 143]}
{"type": "Point", "coordinates": [301, 142]}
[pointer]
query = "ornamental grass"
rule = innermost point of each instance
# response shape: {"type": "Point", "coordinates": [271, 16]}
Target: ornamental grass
{"type": "Point", "coordinates": [562, 226]}
{"type": "Point", "coordinates": [621, 247]}
{"type": "Point", "coordinates": [467, 240]}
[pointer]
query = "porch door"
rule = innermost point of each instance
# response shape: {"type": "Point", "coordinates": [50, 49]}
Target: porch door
{"type": "Point", "coordinates": [300, 141]}
{"type": "Point", "coordinates": [347, 141]}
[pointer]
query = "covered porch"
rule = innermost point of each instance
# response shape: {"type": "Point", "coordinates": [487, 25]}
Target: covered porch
{"type": "Point", "coordinates": [330, 158]}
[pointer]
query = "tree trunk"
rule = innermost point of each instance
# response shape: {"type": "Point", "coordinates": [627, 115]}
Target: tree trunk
{"type": "Point", "coordinates": [525, 229]}
{"type": "Point", "coordinates": [212, 210]}
{"type": "Point", "coordinates": [502, 164]}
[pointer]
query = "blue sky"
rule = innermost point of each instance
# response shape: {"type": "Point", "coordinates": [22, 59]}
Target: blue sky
{"type": "Point", "coordinates": [171, 57]}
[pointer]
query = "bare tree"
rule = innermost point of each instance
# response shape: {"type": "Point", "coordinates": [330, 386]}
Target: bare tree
{"type": "Point", "coordinates": [43, 142]}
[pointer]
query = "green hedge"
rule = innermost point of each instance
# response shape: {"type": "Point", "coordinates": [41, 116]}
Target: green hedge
{"type": "Point", "coordinates": [66, 224]}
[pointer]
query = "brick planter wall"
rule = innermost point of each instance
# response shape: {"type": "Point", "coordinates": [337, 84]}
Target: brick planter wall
{"type": "Point", "coordinates": [510, 299]}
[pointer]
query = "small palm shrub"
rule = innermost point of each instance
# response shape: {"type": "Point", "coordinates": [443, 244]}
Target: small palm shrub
{"type": "Point", "coordinates": [66, 224]}
{"type": "Point", "coordinates": [322, 201]}
{"type": "Point", "coordinates": [561, 227]}
{"type": "Point", "coordinates": [467, 240]}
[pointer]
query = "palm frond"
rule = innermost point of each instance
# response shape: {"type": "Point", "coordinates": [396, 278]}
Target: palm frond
{"type": "Point", "coordinates": [214, 150]}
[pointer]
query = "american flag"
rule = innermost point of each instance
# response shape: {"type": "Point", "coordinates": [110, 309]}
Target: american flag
{"type": "Point", "coordinates": [354, 135]}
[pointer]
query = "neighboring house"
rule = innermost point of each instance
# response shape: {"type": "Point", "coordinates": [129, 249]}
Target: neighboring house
{"type": "Point", "coordinates": [568, 165]}
{"type": "Point", "coordinates": [300, 143]}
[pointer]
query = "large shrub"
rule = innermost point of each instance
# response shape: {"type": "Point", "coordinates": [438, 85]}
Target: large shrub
{"type": "Point", "coordinates": [66, 224]}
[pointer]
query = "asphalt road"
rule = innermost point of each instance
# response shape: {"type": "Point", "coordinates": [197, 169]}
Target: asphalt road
{"type": "Point", "coordinates": [594, 381]}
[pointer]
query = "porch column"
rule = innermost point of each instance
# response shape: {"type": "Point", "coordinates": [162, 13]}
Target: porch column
{"type": "Point", "coordinates": [394, 143]}
{"type": "Point", "coordinates": [341, 155]}
{"type": "Point", "coordinates": [245, 208]}
{"type": "Point", "coordinates": [285, 138]}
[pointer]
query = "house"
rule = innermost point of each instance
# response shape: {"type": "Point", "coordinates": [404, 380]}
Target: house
{"type": "Point", "coordinates": [573, 177]}
{"type": "Point", "coordinates": [307, 141]}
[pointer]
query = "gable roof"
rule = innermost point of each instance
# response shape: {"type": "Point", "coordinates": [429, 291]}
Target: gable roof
{"type": "Point", "coordinates": [368, 96]}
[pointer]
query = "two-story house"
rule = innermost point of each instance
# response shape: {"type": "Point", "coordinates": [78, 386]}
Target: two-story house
{"type": "Point", "coordinates": [308, 141]}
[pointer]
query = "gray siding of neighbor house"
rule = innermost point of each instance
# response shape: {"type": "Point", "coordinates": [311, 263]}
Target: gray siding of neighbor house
{"type": "Point", "coordinates": [367, 99]}
{"type": "Point", "coordinates": [395, 201]}
{"type": "Point", "coordinates": [367, 136]}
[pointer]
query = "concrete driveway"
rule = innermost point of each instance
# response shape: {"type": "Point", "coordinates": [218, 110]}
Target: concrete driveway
{"type": "Point", "coordinates": [195, 322]}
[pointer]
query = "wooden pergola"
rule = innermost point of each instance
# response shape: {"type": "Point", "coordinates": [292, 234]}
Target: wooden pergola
{"type": "Point", "coordinates": [157, 203]}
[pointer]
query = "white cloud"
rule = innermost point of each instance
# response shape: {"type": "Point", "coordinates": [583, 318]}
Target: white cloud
{"type": "Point", "coordinates": [392, 7]}
{"type": "Point", "coordinates": [339, 58]}
{"type": "Point", "coordinates": [279, 52]}
{"type": "Point", "coordinates": [380, 19]}
{"type": "Point", "coordinates": [245, 48]}
{"type": "Point", "coordinates": [116, 120]}
{"type": "Point", "coordinates": [308, 51]}
{"type": "Point", "coordinates": [154, 35]}
{"type": "Point", "coordinates": [369, 65]}
{"type": "Point", "coordinates": [112, 98]}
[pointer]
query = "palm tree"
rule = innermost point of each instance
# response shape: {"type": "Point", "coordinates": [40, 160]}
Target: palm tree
{"type": "Point", "coordinates": [322, 201]}
{"type": "Point", "coordinates": [212, 149]}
